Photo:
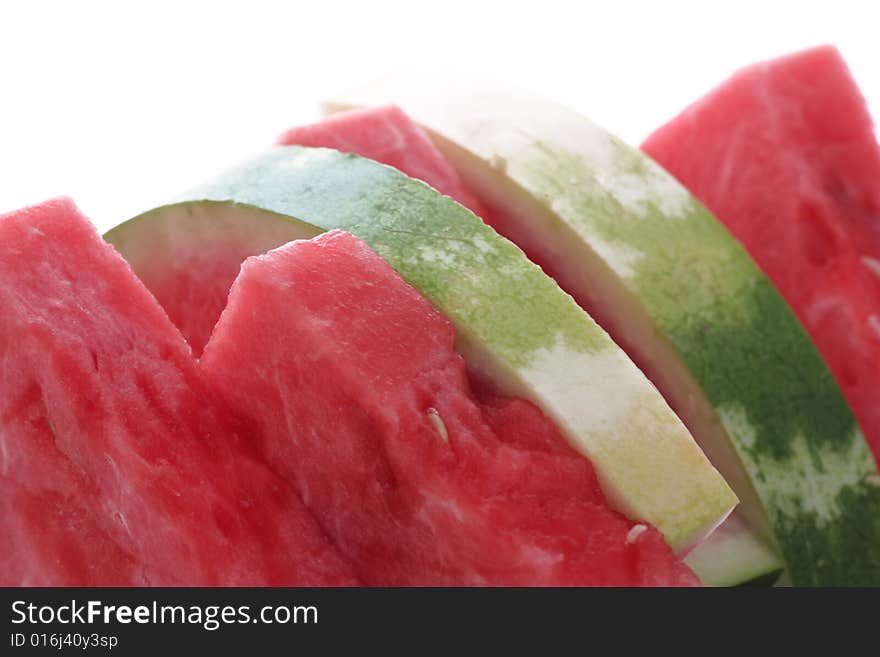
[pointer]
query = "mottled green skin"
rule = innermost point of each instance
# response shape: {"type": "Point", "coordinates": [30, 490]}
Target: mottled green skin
{"type": "Point", "coordinates": [510, 318]}
{"type": "Point", "coordinates": [799, 441]}
{"type": "Point", "coordinates": [744, 345]}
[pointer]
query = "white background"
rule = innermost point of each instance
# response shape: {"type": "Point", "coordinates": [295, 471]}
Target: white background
{"type": "Point", "coordinates": [119, 104]}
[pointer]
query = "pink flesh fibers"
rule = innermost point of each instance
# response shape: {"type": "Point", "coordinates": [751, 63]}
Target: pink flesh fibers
{"type": "Point", "coordinates": [112, 442]}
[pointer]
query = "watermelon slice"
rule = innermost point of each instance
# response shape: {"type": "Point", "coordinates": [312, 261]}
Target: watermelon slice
{"type": "Point", "coordinates": [387, 135]}
{"type": "Point", "coordinates": [784, 153]}
{"type": "Point", "coordinates": [514, 326]}
{"type": "Point", "coordinates": [364, 404]}
{"type": "Point", "coordinates": [678, 292]}
{"type": "Point", "coordinates": [383, 134]}
{"type": "Point", "coordinates": [112, 447]}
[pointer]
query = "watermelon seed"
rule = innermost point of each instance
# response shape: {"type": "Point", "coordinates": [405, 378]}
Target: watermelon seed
{"type": "Point", "coordinates": [439, 425]}
{"type": "Point", "coordinates": [4, 455]}
{"type": "Point", "coordinates": [121, 518]}
{"type": "Point", "coordinates": [633, 534]}
{"type": "Point", "coordinates": [873, 264]}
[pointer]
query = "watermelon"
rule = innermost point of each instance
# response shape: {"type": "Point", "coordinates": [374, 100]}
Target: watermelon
{"type": "Point", "coordinates": [119, 465]}
{"type": "Point", "coordinates": [784, 154]}
{"type": "Point", "coordinates": [387, 135]}
{"type": "Point", "coordinates": [684, 299]}
{"type": "Point", "coordinates": [384, 134]}
{"type": "Point", "coordinates": [514, 326]}
{"type": "Point", "coordinates": [363, 403]}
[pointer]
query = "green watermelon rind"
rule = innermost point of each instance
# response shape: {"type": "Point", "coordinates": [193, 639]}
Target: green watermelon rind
{"type": "Point", "coordinates": [767, 384]}
{"type": "Point", "coordinates": [512, 321]}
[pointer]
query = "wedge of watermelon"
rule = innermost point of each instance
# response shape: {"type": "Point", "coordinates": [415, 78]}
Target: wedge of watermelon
{"type": "Point", "coordinates": [363, 403]}
{"type": "Point", "coordinates": [117, 461]}
{"type": "Point", "coordinates": [784, 153]}
{"type": "Point", "coordinates": [683, 298]}
{"type": "Point", "coordinates": [193, 290]}
{"type": "Point", "coordinates": [514, 326]}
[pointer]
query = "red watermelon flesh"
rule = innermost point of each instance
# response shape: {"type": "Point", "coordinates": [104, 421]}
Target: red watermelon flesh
{"type": "Point", "coordinates": [112, 442]}
{"type": "Point", "coordinates": [48, 537]}
{"type": "Point", "coordinates": [784, 153]}
{"type": "Point", "coordinates": [41, 526]}
{"type": "Point", "coordinates": [387, 135]}
{"type": "Point", "coordinates": [193, 290]}
{"type": "Point", "coordinates": [363, 403]}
